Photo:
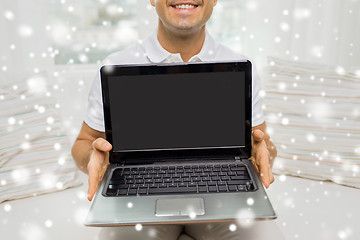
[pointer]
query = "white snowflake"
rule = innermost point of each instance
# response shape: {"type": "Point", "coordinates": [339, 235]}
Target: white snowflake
{"type": "Point", "coordinates": [7, 207]}
{"type": "Point", "coordinates": [232, 227]}
{"type": "Point", "coordinates": [9, 15]}
{"type": "Point", "coordinates": [250, 201]}
{"type": "Point", "coordinates": [302, 13]}
{"type": "Point", "coordinates": [25, 31]}
{"type": "Point", "coordinates": [285, 26]}
{"type": "Point", "coordinates": [138, 227]}
{"type": "Point", "coordinates": [48, 223]}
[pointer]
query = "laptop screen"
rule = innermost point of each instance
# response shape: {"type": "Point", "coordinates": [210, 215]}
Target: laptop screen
{"type": "Point", "coordinates": [177, 111]}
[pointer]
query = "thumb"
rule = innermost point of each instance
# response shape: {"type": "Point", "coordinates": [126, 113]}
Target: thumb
{"type": "Point", "coordinates": [258, 135]}
{"type": "Point", "coordinates": [101, 144]}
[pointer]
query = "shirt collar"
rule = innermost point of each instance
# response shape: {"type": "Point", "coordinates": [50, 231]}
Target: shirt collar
{"type": "Point", "coordinates": [156, 53]}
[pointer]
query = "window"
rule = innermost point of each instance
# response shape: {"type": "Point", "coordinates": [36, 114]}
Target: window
{"type": "Point", "coordinates": [86, 31]}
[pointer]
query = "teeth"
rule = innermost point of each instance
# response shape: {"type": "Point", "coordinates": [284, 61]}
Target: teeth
{"type": "Point", "coordinates": [185, 6]}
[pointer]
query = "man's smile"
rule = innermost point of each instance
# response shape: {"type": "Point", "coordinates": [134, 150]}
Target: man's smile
{"type": "Point", "coordinates": [184, 6]}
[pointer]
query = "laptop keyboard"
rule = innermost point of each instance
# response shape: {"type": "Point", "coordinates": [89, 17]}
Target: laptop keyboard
{"type": "Point", "coordinates": [209, 178]}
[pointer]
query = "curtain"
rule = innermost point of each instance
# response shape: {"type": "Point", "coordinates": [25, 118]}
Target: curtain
{"type": "Point", "coordinates": [318, 31]}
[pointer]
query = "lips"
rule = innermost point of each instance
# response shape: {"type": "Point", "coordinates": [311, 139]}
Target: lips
{"type": "Point", "coordinates": [185, 5]}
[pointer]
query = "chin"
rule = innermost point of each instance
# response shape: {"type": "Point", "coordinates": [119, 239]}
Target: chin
{"type": "Point", "coordinates": [184, 25]}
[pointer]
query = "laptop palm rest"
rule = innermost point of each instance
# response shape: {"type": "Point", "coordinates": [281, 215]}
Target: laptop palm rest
{"type": "Point", "coordinates": [179, 207]}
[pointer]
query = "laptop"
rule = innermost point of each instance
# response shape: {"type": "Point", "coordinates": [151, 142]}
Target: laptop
{"type": "Point", "coordinates": [181, 137]}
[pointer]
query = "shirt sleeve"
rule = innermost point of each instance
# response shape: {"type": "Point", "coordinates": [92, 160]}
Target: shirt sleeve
{"type": "Point", "coordinates": [257, 113]}
{"type": "Point", "coordinates": [94, 117]}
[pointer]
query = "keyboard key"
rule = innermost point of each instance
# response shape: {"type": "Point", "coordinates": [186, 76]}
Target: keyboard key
{"type": "Point", "coordinates": [142, 191]}
{"type": "Point", "coordinates": [177, 180]}
{"type": "Point", "coordinates": [250, 186]}
{"type": "Point", "coordinates": [122, 192]}
{"type": "Point", "coordinates": [232, 188]}
{"type": "Point", "coordinates": [222, 188]}
{"type": "Point", "coordinates": [173, 190]}
{"type": "Point", "coordinates": [202, 189]}
{"type": "Point", "coordinates": [192, 184]}
{"type": "Point", "coordinates": [196, 179]}
{"type": "Point", "coordinates": [116, 181]}
{"type": "Point", "coordinates": [237, 182]}
{"type": "Point", "coordinates": [132, 192]}
{"type": "Point", "coordinates": [212, 189]}
{"type": "Point", "coordinates": [240, 178]}
{"type": "Point", "coordinates": [172, 184]}
{"type": "Point", "coordinates": [111, 192]}
{"type": "Point", "coordinates": [242, 168]}
{"type": "Point", "coordinates": [206, 179]}
{"type": "Point", "coordinates": [240, 173]}
{"type": "Point", "coordinates": [152, 185]}
{"type": "Point", "coordinates": [225, 178]}
{"type": "Point", "coordinates": [221, 183]}
{"type": "Point", "coordinates": [215, 178]}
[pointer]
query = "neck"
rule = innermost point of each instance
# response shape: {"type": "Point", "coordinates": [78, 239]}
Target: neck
{"type": "Point", "coordinates": [186, 43]}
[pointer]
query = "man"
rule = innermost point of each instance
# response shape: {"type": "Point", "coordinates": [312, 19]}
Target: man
{"type": "Point", "coordinates": [180, 36]}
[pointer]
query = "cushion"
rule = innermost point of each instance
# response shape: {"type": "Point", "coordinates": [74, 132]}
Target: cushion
{"type": "Point", "coordinates": [35, 152]}
{"type": "Point", "coordinates": [313, 113]}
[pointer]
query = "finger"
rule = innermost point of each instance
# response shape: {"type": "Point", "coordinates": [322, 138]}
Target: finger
{"type": "Point", "coordinates": [102, 145]}
{"type": "Point", "coordinates": [258, 135]}
{"type": "Point", "coordinates": [93, 185]}
{"type": "Point", "coordinates": [272, 179]}
{"type": "Point", "coordinates": [264, 171]}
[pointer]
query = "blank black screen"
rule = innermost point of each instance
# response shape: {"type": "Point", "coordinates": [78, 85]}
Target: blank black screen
{"type": "Point", "coordinates": [177, 111]}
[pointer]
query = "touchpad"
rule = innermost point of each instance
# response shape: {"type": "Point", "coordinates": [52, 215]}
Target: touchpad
{"type": "Point", "coordinates": [179, 207]}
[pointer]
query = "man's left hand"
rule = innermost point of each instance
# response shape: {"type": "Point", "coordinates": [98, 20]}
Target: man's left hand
{"type": "Point", "coordinates": [261, 157]}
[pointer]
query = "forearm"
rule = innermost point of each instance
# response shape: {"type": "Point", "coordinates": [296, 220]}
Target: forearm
{"type": "Point", "coordinates": [81, 152]}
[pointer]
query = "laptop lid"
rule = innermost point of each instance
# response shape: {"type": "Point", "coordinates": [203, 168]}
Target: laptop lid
{"type": "Point", "coordinates": [181, 110]}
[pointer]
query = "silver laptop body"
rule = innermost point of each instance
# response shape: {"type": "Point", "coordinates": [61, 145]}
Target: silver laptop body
{"type": "Point", "coordinates": [193, 118]}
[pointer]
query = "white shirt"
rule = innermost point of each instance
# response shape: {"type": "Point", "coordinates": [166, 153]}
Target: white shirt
{"type": "Point", "coordinates": [150, 51]}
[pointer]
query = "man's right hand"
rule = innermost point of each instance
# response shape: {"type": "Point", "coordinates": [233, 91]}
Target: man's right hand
{"type": "Point", "coordinates": [99, 160]}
